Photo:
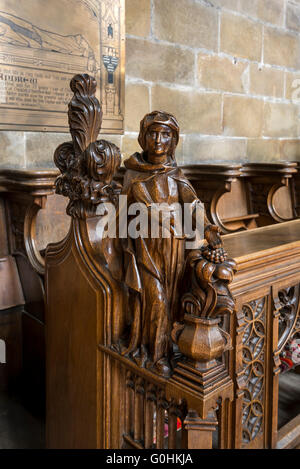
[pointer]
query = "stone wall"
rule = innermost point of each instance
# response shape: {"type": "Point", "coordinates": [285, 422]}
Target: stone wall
{"type": "Point", "coordinates": [225, 68]}
{"type": "Point", "coordinates": [228, 69]}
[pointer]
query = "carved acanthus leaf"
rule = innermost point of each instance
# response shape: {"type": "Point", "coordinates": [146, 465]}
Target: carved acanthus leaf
{"type": "Point", "coordinates": [87, 165]}
{"type": "Point", "coordinates": [208, 274]}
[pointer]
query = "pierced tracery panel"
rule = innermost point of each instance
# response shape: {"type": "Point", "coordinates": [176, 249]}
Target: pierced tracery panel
{"type": "Point", "coordinates": [289, 328]}
{"type": "Point", "coordinates": [288, 299]}
{"type": "Point", "coordinates": [254, 368]}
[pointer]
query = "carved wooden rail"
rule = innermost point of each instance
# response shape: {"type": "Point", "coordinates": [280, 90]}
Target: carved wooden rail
{"type": "Point", "coordinates": [244, 196]}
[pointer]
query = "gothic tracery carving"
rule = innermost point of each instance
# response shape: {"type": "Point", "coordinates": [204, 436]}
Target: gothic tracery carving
{"type": "Point", "coordinates": [288, 299]}
{"type": "Point", "coordinates": [254, 368]}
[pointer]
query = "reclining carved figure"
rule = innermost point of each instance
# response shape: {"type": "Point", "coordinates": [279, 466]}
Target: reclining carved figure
{"type": "Point", "coordinates": [156, 271]}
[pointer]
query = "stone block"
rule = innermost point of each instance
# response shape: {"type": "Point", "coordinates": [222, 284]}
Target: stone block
{"type": "Point", "coordinates": [266, 81]}
{"type": "Point", "coordinates": [265, 10]}
{"type": "Point", "coordinates": [281, 48]}
{"type": "Point", "coordinates": [186, 22]}
{"type": "Point", "coordinates": [242, 117]}
{"type": "Point", "coordinates": [249, 7]}
{"type": "Point", "coordinates": [212, 150]}
{"type": "Point", "coordinates": [281, 120]}
{"type": "Point", "coordinates": [240, 37]}
{"type": "Point", "coordinates": [138, 17]}
{"type": "Point", "coordinates": [159, 62]}
{"type": "Point", "coordinates": [136, 105]}
{"type": "Point", "coordinates": [12, 149]}
{"type": "Point", "coordinates": [229, 4]}
{"type": "Point", "coordinates": [260, 149]}
{"type": "Point", "coordinates": [293, 17]}
{"type": "Point", "coordinates": [40, 148]}
{"type": "Point", "coordinates": [220, 73]}
{"type": "Point", "coordinates": [271, 11]}
{"type": "Point", "coordinates": [196, 112]}
{"type": "Point", "coordinates": [290, 150]}
{"type": "Point", "coordinates": [292, 89]}
{"type": "Point", "coordinates": [129, 145]}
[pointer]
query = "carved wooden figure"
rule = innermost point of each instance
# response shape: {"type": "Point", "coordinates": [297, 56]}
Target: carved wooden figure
{"type": "Point", "coordinates": [142, 348]}
{"type": "Point", "coordinates": [87, 165]}
{"type": "Point", "coordinates": [154, 309]}
{"type": "Point", "coordinates": [154, 265]}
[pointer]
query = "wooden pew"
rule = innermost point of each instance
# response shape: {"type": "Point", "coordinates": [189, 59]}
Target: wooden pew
{"type": "Point", "coordinates": [269, 188]}
{"type": "Point", "coordinates": [88, 406]}
{"type": "Point", "coordinates": [31, 216]}
{"type": "Point", "coordinates": [222, 190]}
{"type": "Point", "coordinates": [266, 290]}
{"type": "Point", "coordinates": [244, 196]}
{"type": "Point", "coordinates": [295, 188]}
{"type": "Point", "coordinates": [218, 383]}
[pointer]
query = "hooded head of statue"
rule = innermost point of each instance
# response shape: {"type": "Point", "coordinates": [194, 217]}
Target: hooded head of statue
{"type": "Point", "coordinates": [163, 118]}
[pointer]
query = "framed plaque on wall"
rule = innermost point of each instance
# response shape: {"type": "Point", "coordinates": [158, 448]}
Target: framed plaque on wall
{"type": "Point", "coordinates": [43, 44]}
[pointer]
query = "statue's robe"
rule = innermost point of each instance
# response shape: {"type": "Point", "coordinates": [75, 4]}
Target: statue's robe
{"type": "Point", "coordinates": [154, 266]}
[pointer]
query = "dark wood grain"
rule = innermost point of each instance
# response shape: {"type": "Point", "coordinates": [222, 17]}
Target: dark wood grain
{"type": "Point", "coordinates": [139, 332]}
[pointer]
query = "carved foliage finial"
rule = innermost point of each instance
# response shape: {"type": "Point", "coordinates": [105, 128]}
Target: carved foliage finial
{"type": "Point", "coordinates": [85, 114]}
{"type": "Point", "coordinates": [207, 276]}
{"type": "Point", "coordinates": [210, 272]}
{"type": "Point", "coordinates": [87, 165]}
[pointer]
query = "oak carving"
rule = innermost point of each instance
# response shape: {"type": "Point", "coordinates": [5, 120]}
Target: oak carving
{"type": "Point", "coordinates": [87, 164]}
{"type": "Point", "coordinates": [254, 351]}
{"type": "Point", "coordinates": [156, 271]}
{"type": "Point", "coordinates": [207, 276]}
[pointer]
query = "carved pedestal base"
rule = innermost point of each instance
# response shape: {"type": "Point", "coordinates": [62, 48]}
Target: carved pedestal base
{"type": "Point", "coordinates": [201, 377]}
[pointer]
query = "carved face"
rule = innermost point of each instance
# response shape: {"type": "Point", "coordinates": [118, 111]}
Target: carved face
{"type": "Point", "coordinates": [158, 141]}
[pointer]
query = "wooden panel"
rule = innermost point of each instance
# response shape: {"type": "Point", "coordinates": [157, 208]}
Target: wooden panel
{"type": "Point", "coordinates": [256, 242]}
{"type": "Point", "coordinates": [77, 338]}
{"type": "Point", "coordinates": [289, 435]}
{"type": "Point", "coordinates": [234, 203]}
{"type": "Point", "coordinates": [73, 370]}
{"type": "Point", "coordinates": [32, 286]}
{"type": "Point", "coordinates": [33, 370]}
{"type": "Point", "coordinates": [283, 203]}
{"type": "Point", "coordinates": [11, 293]}
{"type": "Point", "coordinates": [52, 222]}
{"type": "Point", "coordinates": [11, 333]}
{"type": "Point", "coordinates": [3, 231]}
